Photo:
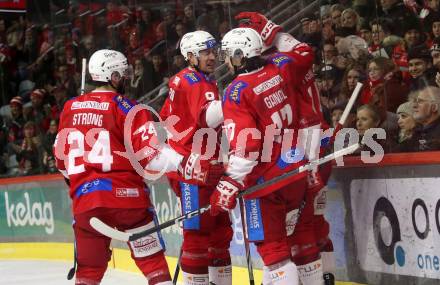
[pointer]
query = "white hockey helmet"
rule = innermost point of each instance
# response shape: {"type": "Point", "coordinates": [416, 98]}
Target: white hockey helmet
{"type": "Point", "coordinates": [242, 41]}
{"type": "Point", "coordinates": [104, 62]}
{"type": "Point", "coordinates": [194, 42]}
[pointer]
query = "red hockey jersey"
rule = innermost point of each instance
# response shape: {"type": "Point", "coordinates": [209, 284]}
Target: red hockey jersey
{"type": "Point", "coordinates": [268, 100]}
{"type": "Point", "coordinates": [91, 135]}
{"type": "Point", "coordinates": [190, 93]}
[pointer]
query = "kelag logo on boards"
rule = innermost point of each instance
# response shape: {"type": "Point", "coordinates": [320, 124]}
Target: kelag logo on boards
{"type": "Point", "coordinates": [389, 248]}
{"type": "Point", "coordinates": [24, 212]}
{"type": "Point", "coordinates": [396, 224]}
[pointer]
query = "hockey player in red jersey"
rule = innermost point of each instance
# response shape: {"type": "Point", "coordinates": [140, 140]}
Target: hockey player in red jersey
{"type": "Point", "coordinates": [193, 99]}
{"type": "Point", "coordinates": [312, 121]}
{"type": "Point", "coordinates": [105, 179]}
{"type": "Point", "coordinates": [259, 105]}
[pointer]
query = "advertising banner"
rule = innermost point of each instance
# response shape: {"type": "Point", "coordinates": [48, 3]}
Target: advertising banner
{"type": "Point", "coordinates": [396, 225]}
{"type": "Point", "coordinates": [35, 211]}
{"type": "Point", "coordinates": [13, 6]}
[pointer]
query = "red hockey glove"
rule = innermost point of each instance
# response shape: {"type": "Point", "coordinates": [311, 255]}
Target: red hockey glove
{"type": "Point", "coordinates": [201, 171]}
{"type": "Point", "coordinates": [224, 197]}
{"type": "Point", "coordinates": [266, 28]}
{"type": "Point", "coordinates": [314, 181]}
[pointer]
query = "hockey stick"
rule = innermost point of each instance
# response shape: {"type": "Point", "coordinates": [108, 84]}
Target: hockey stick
{"type": "Point", "coordinates": [83, 75]}
{"type": "Point", "coordinates": [177, 270]}
{"type": "Point", "coordinates": [106, 230]}
{"type": "Point", "coordinates": [246, 243]}
{"type": "Point", "coordinates": [72, 270]}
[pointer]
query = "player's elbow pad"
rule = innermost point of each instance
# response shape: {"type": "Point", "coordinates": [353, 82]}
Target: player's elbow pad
{"type": "Point", "coordinates": [213, 114]}
{"type": "Point", "coordinates": [166, 160]}
{"type": "Point", "coordinates": [285, 42]}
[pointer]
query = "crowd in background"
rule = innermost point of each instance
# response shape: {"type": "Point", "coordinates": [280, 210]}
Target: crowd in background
{"type": "Point", "coordinates": [391, 46]}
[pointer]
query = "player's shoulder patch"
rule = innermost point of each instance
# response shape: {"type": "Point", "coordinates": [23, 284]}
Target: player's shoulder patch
{"type": "Point", "coordinates": [234, 90]}
{"type": "Point", "coordinates": [176, 80]}
{"type": "Point", "coordinates": [123, 103]}
{"type": "Point", "coordinates": [192, 78]}
{"type": "Point", "coordinates": [281, 59]}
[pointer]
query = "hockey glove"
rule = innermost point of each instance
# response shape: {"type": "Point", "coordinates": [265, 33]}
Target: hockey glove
{"type": "Point", "coordinates": [224, 197]}
{"type": "Point", "coordinates": [266, 28]}
{"type": "Point", "coordinates": [201, 171]}
{"type": "Point", "coordinates": [314, 181]}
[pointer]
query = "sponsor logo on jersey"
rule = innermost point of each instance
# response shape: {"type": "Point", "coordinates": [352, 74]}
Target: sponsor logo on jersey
{"type": "Point", "coordinates": [294, 155]}
{"type": "Point", "coordinates": [268, 84]}
{"type": "Point", "coordinates": [127, 192]}
{"type": "Point", "coordinates": [233, 92]}
{"type": "Point", "coordinates": [93, 186]}
{"type": "Point", "coordinates": [192, 78]}
{"type": "Point", "coordinates": [277, 276]}
{"type": "Point", "coordinates": [123, 103]}
{"type": "Point", "coordinates": [281, 59]}
{"type": "Point", "coordinates": [103, 106]}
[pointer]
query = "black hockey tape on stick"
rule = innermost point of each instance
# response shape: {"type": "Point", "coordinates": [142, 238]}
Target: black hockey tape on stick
{"type": "Point", "coordinates": [106, 230]}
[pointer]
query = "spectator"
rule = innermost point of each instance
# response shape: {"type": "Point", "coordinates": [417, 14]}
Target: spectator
{"type": "Point", "coordinates": [329, 53]}
{"type": "Point", "coordinates": [383, 41]}
{"type": "Point", "coordinates": [435, 54]}
{"type": "Point", "coordinates": [328, 86]}
{"type": "Point", "coordinates": [336, 11]}
{"type": "Point", "coordinates": [29, 154]}
{"type": "Point", "coordinates": [420, 67]}
{"type": "Point", "coordinates": [189, 17]}
{"type": "Point", "coordinates": [406, 126]}
{"type": "Point", "coordinates": [47, 146]}
{"type": "Point", "coordinates": [350, 20]}
{"type": "Point", "coordinates": [15, 125]}
{"type": "Point", "coordinates": [367, 116]}
{"type": "Point", "coordinates": [385, 102]}
{"type": "Point", "coordinates": [352, 76]}
{"type": "Point", "coordinates": [66, 81]}
{"type": "Point", "coordinates": [382, 70]}
{"type": "Point", "coordinates": [139, 83]}
{"type": "Point", "coordinates": [396, 12]}
{"type": "Point", "coordinates": [336, 113]}
{"type": "Point", "coordinates": [38, 112]}
{"type": "Point", "coordinates": [427, 114]}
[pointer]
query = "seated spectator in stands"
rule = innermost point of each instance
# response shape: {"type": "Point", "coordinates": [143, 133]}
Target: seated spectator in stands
{"type": "Point", "coordinates": [396, 12]}
{"type": "Point", "coordinates": [29, 155]}
{"type": "Point", "coordinates": [383, 42]}
{"type": "Point", "coordinates": [406, 126]}
{"type": "Point", "coordinates": [16, 123]}
{"type": "Point", "coordinates": [367, 117]}
{"type": "Point", "coordinates": [328, 86]}
{"type": "Point", "coordinates": [434, 25]}
{"type": "Point", "coordinates": [38, 112]}
{"type": "Point", "coordinates": [47, 146]}
{"type": "Point", "coordinates": [311, 31]}
{"type": "Point", "coordinates": [420, 67]}
{"type": "Point", "coordinates": [413, 37]}
{"type": "Point", "coordinates": [329, 53]}
{"type": "Point", "coordinates": [139, 83]}
{"type": "Point", "coordinates": [350, 20]}
{"type": "Point", "coordinates": [384, 102]}
{"type": "Point", "coordinates": [159, 68]}
{"type": "Point", "coordinates": [66, 81]}
{"type": "Point", "coordinates": [426, 113]}
{"type": "Point", "coordinates": [365, 33]}
{"type": "Point", "coordinates": [178, 62]}
{"type": "Point", "coordinates": [336, 113]}
{"type": "Point", "coordinates": [180, 31]}
{"type": "Point", "coordinates": [189, 17]}
{"type": "Point", "coordinates": [383, 71]}
{"type": "Point", "coordinates": [336, 11]}
{"type": "Point", "coordinates": [353, 75]}
{"type": "Point", "coordinates": [147, 27]}
{"type": "Point", "coordinates": [435, 54]}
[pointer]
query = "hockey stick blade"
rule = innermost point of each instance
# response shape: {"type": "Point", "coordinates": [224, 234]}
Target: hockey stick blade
{"type": "Point", "coordinates": [106, 230]}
